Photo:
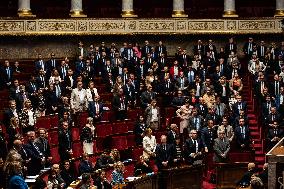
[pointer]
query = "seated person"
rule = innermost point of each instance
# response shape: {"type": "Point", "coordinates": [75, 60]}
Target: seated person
{"type": "Point", "coordinates": [67, 173]}
{"type": "Point", "coordinates": [53, 181]}
{"type": "Point", "coordinates": [85, 165]}
{"type": "Point", "coordinates": [245, 180]}
{"type": "Point", "coordinates": [87, 182]}
{"type": "Point", "coordinates": [115, 155]}
{"type": "Point", "coordinates": [102, 182]}
{"type": "Point", "coordinates": [142, 167]}
{"type": "Point", "coordinates": [117, 174]}
{"type": "Point", "coordinates": [104, 161]}
{"type": "Point", "coordinates": [264, 174]}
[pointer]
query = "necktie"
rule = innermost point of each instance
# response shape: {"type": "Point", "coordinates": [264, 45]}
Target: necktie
{"type": "Point", "coordinates": [231, 46]}
{"type": "Point", "coordinates": [226, 133]}
{"type": "Point", "coordinates": [243, 132]}
{"type": "Point", "coordinates": [276, 88]}
{"type": "Point", "coordinates": [275, 131]}
{"type": "Point", "coordinates": [219, 111]}
{"type": "Point", "coordinates": [8, 73]}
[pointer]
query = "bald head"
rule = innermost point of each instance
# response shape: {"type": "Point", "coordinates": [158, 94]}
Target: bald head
{"type": "Point", "coordinates": [163, 139]}
{"type": "Point", "coordinates": [17, 143]}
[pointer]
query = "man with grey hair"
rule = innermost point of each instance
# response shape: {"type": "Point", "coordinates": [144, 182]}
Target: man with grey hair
{"type": "Point", "coordinates": [164, 153]}
{"type": "Point", "coordinates": [221, 148]}
{"type": "Point", "coordinates": [193, 148]}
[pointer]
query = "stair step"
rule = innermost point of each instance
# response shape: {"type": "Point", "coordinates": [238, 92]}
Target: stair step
{"type": "Point", "coordinates": [258, 145]}
{"type": "Point", "coordinates": [254, 133]}
{"type": "Point", "coordinates": [260, 159]}
{"type": "Point", "coordinates": [259, 152]}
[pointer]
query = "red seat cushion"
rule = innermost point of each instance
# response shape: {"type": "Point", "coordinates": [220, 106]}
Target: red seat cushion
{"type": "Point", "coordinates": [136, 153]}
{"type": "Point", "coordinates": [75, 132]}
{"type": "Point", "coordinates": [54, 121]}
{"type": "Point", "coordinates": [131, 140]}
{"type": "Point", "coordinates": [104, 129]}
{"type": "Point", "coordinates": [43, 122]}
{"type": "Point", "coordinates": [119, 128]}
{"type": "Point", "coordinates": [53, 137]}
{"type": "Point", "coordinates": [77, 149]}
{"type": "Point", "coordinates": [55, 155]}
{"type": "Point", "coordinates": [119, 142]}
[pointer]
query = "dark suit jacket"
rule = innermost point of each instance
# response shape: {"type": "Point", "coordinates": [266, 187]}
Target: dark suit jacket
{"type": "Point", "coordinates": [4, 75]}
{"type": "Point", "coordinates": [35, 155]}
{"type": "Point", "coordinates": [92, 109]}
{"type": "Point", "coordinates": [49, 65]}
{"type": "Point", "coordinates": [144, 52]}
{"type": "Point", "coordinates": [239, 137]}
{"type": "Point", "coordinates": [227, 48]}
{"type": "Point", "coordinates": [41, 83]}
{"type": "Point", "coordinates": [85, 167]}
{"type": "Point", "coordinates": [99, 184]}
{"type": "Point", "coordinates": [146, 98]}
{"type": "Point", "coordinates": [190, 147]}
{"type": "Point", "coordinates": [116, 103]}
{"type": "Point", "coordinates": [38, 65]}
{"type": "Point", "coordinates": [64, 141]}
{"type": "Point", "coordinates": [178, 101]}
{"type": "Point", "coordinates": [207, 138]}
{"type": "Point", "coordinates": [44, 146]}
{"type": "Point", "coordinates": [235, 107]}
{"type": "Point", "coordinates": [171, 137]}
{"type": "Point", "coordinates": [138, 71]}
{"type": "Point", "coordinates": [164, 155]}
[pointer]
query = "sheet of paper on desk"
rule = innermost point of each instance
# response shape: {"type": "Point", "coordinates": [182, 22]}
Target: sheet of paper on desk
{"type": "Point", "coordinates": [32, 177]}
{"type": "Point", "coordinates": [132, 178]}
{"type": "Point", "coordinates": [30, 180]}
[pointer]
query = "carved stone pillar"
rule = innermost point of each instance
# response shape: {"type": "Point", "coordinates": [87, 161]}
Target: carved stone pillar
{"type": "Point", "coordinates": [24, 9]}
{"type": "Point", "coordinates": [230, 9]}
{"type": "Point", "coordinates": [178, 9]}
{"type": "Point", "coordinates": [127, 9]}
{"type": "Point", "coordinates": [279, 12]}
{"type": "Point", "coordinates": [76, 9]}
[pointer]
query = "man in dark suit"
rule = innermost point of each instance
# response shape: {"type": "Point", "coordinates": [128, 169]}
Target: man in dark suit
{"type": "Point", "coordinates": [63, 70]}
{"type": "Point", "coordinates": [179, 100]}
{"type": "Point", "coordinates": [80, 66]}
{"type": "Point", "coordinates": [274, 87]}
{"type": "Point", "coordinates": [44, 146]}
{"type": "Point", "coordinates": [41, 79]}
{"type": "Point", "coordinates": [147, 97]}
{"type": "Point", "coordinates": [245, 180]}
{"type": "Point", "coordinates": [242, 135]}
{"type": "Point", "coordinates": [64, 142]}
{"type": "Point", "coordinates": [104, 161]}
{"type": "Point", "coordinates": [231, 46]}
{"type": "Point", "coordinates": [51, 64]}
{"type": "Point", "coordinates": [248, 47]}
{"type": "Point", "coordinates": [193, 148]}
{"type": "Point", "coordinates": [164, 154]}
{"type": "Point", "coordinates": [162, 61]}
{"type": "Point", "coordinates": [85, 165]}
{"type": "Point", "coordinates": [261, 50]}
{"type": "Point", "coordinates": [210, 47]}
{"type": "Point", "coordinates": [266, 106]}
{"type": "Point", "coordinates": [14, 89]}
{"type": "Point", "coordinates": [21, 97]}
{"type": "Point", "coordinates": [208, 136]}
{"type": "Point", "coordinates": [168, 88]}
{"type": "Point", "coordinates": [6, 74]}
{"type": "Point", "coordinates": [40, 64]}
{"type": "Point", "coordinates": [146, 49]}
{"type": "Point", "coordinates": [274, 135]}
{"type": "Point", "coordinates": [199, 48]}
{"type": "Point", "coordinates": [221, 148]}
{"type": "Point", "coordinates": [9, 113]}
{"type": "Point", "coordinates": [172, 134]}
{"type": "Point", "coordinates": [239, 105]}
{"type": "Point", "coordinates": [128, 90]}
{"type": "Point", "coordinates": [161, 49]}
{"type": "Point", "coordinates": [141, 70]}
{"type": "Point", "coordinates": [120, 105]}
{"type": "Point", "coordinates": [273, 116]}
{"type": "Point", "coordinates": [223, 90]}
{"type": "Point", "coordinates": [96, 109]}
{"type": "Point", "coordinates": [37, 158]}
{"type": "Point", "coordinates": [195, 121]}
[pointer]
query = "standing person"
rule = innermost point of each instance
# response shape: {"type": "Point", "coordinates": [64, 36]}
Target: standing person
{"type": "Point", "coordinates": [193, 148]}
{"type": "Point", "coordinates": [139, 130]}
{"type": "Point", "coordinates": [87, 136]}
{"type": "Point", "coordinates": [164, 154]}
{"type": "Point", "coordinates": [27, 118]}
{"type": "Point", "coordinates": [64, 142]}
{"type": "Point", "coordinates": [149, 144]}
{"type": "Point", "coordinates": [78, 99]}
{"type": "Point", "coordinates": [221, 148]}
{"type": "Point", "coordinates": [184, 113]}
{"type": "Point", "coordinates": [152, 114]}
{"type": "Point", "coordinates": [15, 178]}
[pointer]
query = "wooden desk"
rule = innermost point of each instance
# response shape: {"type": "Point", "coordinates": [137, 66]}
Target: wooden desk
{"type": "Point", "coordinates": [145, 182]}
{"type": "Point", "coordinates": [182, 177]}
{"type": "Point", "coordinates": [228, 174]}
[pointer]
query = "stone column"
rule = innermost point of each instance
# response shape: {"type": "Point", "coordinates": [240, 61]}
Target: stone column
{"type": "Point", "coordinates": [279, 12]}
{"type": "Point", "coordinates": [230, 9]}
{"type": "Point", "coordinates": [127, 9]}
{"type": "Point", "coordinates": [178, 9]}
{"type": "Point", "coordinates": [24, 9]}
{"type": "Point", "coordinates": [76, 9]}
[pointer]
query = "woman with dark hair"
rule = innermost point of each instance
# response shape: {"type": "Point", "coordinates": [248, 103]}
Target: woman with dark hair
{"type": "Point", "coordinates": [15, 178]}
{"type": "Point", "coordinates": [67, 174]}
{"type": "Point", "coordinates": [139, 129]}
{"type": "Point", "coordinates": [53, 182]}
